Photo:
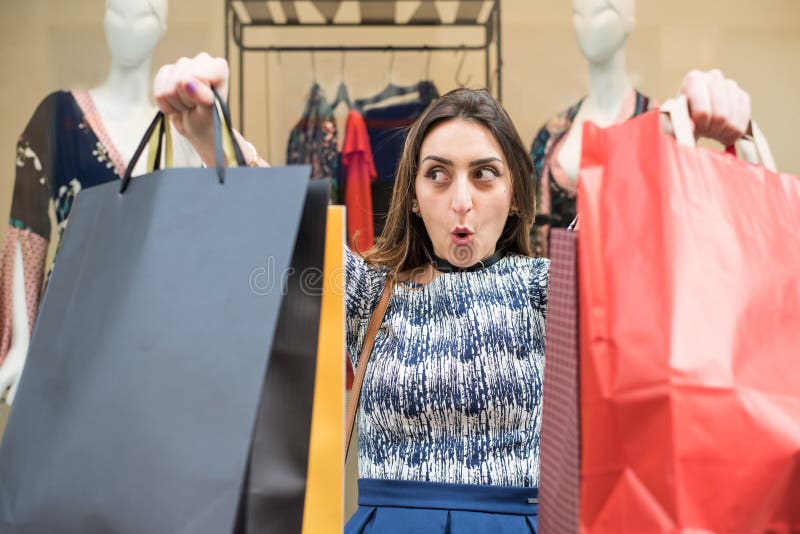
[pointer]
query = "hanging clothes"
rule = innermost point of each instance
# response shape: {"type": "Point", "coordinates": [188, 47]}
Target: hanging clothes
{"type": "Point", "coordinates": [555, 191]}
{"type": "Point", "coordinates": [358, 173]}
{"type": "Point", "coordinates": [387, 127]}
{"type": "Point", "coordinates": [313, 140]}
{"type": "Point", "coordinates": [64, 149]}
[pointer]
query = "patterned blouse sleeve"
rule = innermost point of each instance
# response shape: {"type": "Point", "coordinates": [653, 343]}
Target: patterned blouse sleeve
{"type": "Point", "coordinates": [364, 285]}
{"type": "Point", "coordinates": [540, 284]}
{"type": "Point", "coordinates": [29, 224]}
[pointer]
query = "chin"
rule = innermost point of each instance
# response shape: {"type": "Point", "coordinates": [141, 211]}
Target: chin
{"type": "Point", "coordinates": [597, 54]}
{"type": "Point", "coordinates": [463, 256]}
{"type": "Point", "coordinates": [600, 45]}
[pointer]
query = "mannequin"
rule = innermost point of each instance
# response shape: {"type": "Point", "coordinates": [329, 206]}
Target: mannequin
{"type": "Point", "coordinates": [76, 139]}
{"type": "Point", "coordinates": [133, 29]}
{"type": "Point", "coordinates": [602, 28]}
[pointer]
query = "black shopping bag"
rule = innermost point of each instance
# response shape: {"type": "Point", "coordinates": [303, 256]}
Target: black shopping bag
{"type": "Point", "coordinates": [136, 410]}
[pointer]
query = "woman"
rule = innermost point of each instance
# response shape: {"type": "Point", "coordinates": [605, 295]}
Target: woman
{"type": "Point", "coordinates": [451, 403]}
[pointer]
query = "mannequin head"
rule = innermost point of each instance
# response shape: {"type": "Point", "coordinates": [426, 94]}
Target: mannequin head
{"type": "Point", "coordinates": [133, 28]}
{"type": "Point", "coordinates": [602, 27]}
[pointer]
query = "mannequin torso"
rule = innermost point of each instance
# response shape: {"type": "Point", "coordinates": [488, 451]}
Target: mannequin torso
{"type": "Point", "coordinates": [602, 28]}
{"type": "Point", "coordinates": [124, 113]}
{"type": "Point", "coordinates": [609, 88]}
{"type": "Point", "coordinates": [120, 110]}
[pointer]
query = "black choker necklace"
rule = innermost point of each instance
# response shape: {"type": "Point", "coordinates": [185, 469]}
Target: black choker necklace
{"type": "Point", "coordinates": [444, 266]}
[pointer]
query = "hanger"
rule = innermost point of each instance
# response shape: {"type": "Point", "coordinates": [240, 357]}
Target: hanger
{"type": "Point", "coordinates": [459, 81]}
{"type": "Point", "coordinates": [427, 72]}
{"type": "Point", "coordinates": [315, 87]}
{"type": "Point", "coordinates": [313, 67]}
{"type": "Point", "coordinates": [390, 91]}
{"type": "Point", "coordinates": [342, 93]}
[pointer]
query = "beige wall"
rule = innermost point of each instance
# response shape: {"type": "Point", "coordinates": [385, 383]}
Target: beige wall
{"type": "Point", "coordinates": [51, 44]}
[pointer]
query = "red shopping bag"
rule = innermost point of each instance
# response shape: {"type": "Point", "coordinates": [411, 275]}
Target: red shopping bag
{"type": "Point", "coordinates": [689, 290]}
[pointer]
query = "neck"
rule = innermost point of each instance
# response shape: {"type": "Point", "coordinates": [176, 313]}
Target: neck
{"type": "Point", "coordinates": [609, 83]}
{"type": "Point", "coordinates": [130, 85]}
{"type": "Point", "coordinates": [442, 265]}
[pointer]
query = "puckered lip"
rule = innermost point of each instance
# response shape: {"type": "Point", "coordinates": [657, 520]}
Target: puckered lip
{"type": "Point", "coordinates": [462, 231]}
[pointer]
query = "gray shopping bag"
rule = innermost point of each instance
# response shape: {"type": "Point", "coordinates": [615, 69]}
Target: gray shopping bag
{"type": "Point", "coordinates": [144, 380]}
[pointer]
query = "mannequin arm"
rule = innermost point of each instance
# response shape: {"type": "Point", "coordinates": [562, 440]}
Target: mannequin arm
{"type": "Point", "coordinates": [24, 251]}
{"type": "Point", "coordinates": [11, 370]}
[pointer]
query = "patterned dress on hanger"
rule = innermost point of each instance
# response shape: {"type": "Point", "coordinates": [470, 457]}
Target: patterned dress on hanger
{"type": "Point", "coordinates": [313, 140]}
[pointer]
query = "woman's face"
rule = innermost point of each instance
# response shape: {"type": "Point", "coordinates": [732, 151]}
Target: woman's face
{"type": "Point", "coordinates": [463, 188]}
{"type": "Point", "coordinates": [132, 29]}
{"type": "Point", "coordinates": [601, 27]}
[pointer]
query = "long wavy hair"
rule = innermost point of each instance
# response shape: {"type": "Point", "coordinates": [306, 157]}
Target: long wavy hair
{"type": "Point", "coordinates": [404, 243]}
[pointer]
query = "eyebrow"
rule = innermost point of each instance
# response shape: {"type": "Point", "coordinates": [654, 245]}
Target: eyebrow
{"type": "Point", "coordinates": [475, 163]}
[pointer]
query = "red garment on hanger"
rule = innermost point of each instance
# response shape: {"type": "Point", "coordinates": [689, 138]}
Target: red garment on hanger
{"type": "Point", "coordinates": [358, 170]}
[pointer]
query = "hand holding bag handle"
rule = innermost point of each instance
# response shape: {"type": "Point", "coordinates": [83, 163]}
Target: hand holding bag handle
{"type": "Point", "coordinates": [678, 111]}
{"type": "Point", "coordinates": [363, 359]}
{"type": "Point", "coordinates": [225, 148]}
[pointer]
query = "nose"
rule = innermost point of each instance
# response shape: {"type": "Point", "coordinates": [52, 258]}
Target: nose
{"type": "Point", "coordinates": [462, 196]}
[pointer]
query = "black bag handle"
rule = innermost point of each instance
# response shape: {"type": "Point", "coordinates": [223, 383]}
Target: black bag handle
{"type": "Point", "coordinates": [224, 143]}
{"type": "Point", "coordinates": [221, 143]}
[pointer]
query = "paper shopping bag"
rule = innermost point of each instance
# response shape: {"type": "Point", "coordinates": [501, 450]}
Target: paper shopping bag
{"type": "Point", "coordinates": [689, 276]}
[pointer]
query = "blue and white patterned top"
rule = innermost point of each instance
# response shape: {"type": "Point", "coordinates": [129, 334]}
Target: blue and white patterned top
{"type": "Point", "coordinates": [453, 391]}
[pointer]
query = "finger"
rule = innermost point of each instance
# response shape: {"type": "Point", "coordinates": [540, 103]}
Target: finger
{"type": "Point", "coordinates": [171, 92]}
{"type": "Point", "coordinates": [215, 72]}
{"type": "Point", "coordinates": [199, 91]}
{"type": "Point", "coordinates": [194, 78]}
{"type": "Point", "coordinates": [161, 89]}
{"type": "Point", "coordinates": [180, 75]}
{"type": "Point", "coordinates": [186, 91]}
{"type": "Point", "coordinates": [192, 90]}
{"type": "Point", "coordinates": [695, 87]}
{"type": "Point", "coordinates": [176, 104]}
{"type": "Point", "coordinates": [720, 109]}
{"type": "Point", "coordinates": [738, 118]}
{"type": "Point", "coordinates": [715, 75]}
{"type": "Point", "coordinates": [740, 110]}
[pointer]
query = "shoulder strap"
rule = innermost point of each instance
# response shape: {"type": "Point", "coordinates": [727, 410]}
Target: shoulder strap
{"type": "Point", "coordinates": [366, 349]}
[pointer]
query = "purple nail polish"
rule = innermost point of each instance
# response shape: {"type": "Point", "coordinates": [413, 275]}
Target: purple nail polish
{"type": "Point", "coordinates": [191, 87]}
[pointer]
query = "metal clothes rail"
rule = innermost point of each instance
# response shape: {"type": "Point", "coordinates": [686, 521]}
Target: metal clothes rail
{"type": "Point", "coordinates": [244, 17]}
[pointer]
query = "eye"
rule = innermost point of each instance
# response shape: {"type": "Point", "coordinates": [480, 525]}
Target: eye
{"type": "Point", "coordinates": [486, 173]}
{"type": "Point", "coordinates": [436, 174]}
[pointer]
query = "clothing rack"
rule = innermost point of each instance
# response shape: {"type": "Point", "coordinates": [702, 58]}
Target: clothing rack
{"type": "Point", "coordinates": [243, 18]}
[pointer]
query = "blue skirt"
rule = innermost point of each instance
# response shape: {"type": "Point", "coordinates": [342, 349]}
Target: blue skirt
{"type": "Point", "coordinates": [406, 507]}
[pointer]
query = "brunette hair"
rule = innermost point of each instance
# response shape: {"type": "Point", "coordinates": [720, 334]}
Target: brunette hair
{"type": "Point", "coordinates": [404, 244]}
